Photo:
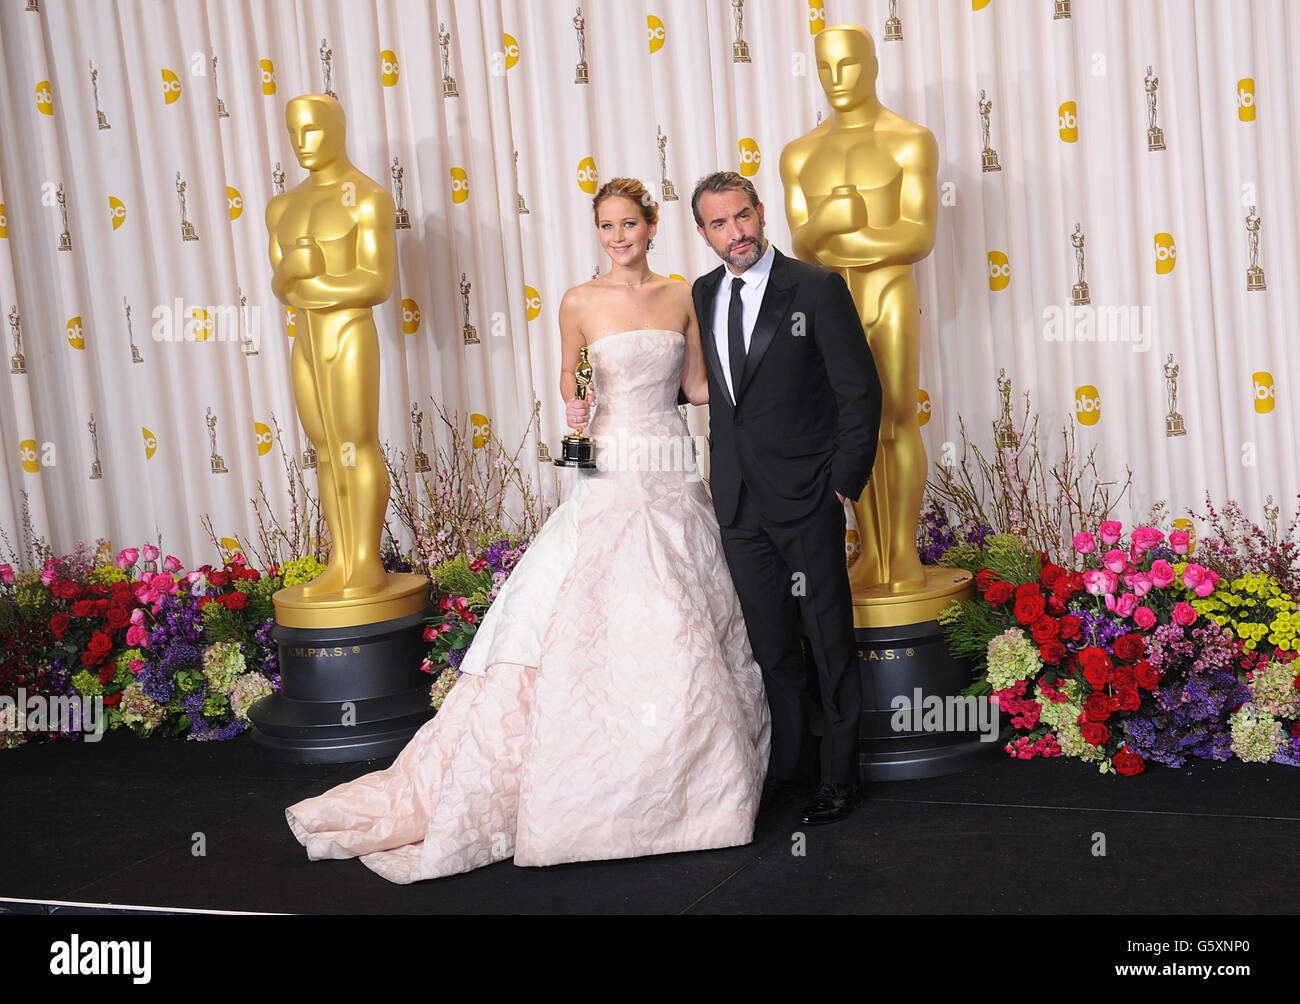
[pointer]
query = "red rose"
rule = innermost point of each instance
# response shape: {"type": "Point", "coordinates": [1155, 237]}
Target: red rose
{"type": "Point", "coordinates": [90, 660]}
{"type": "Point", "coordinates": [107, 673]}
{"type": "Point", "coordinates": [100, 644]}
{"type": "Point", "coordinates": [999, 593]}
{"type": "Point", "coordinates": [1044, 630]}
{"type": "Point", "coordinates": [219, 578]}
{"type": "Point", "coordinates": [984, 579]}
{"type": "Point", "coordinates": [59, 624]}
{"type": "Point", "coordinates": [118, 618]}
{"type": "Point", "coordinates": [1094, 732]}
{"type": "Point", "coordinates": [83, 608]}
{"type": "Point", "coordinates": [1146, 675]}
{"type": "Point", "coordinates": [1070, 626]}
{"type": "Point", "coordinates": [252, 575]}
{"type": "Point", "coordinates": [1051, 575]}
{"type": "Point", "coordinates": [1063, 588]}
{"type": "Point", "coordinates": [1127, 763]}
{"type": "Point", "coordinates": [1055, 606]}
{"type": "Point", "coordinates": [1096, 665]}
{"type": "Point", "coordinates": [203, 601]}
{"type": "Point", "coordinates": [112, 700]}
{"type": "Point", "coordinates": [1028, 589]}
{"type": "Point", "coordinates": [1029, 608]}
{"type": "Point", "coordinates": [235, 600]}
{"type": "Point", "coordinates": [1123, 678]}
{"type": "Point", "coordinates": [1129, 698]}
{"type": "Point", "coordinates": [65, 589]}
{"type": "Point", "coordinates": [1129, 647]}
{"type": "Point", "coordinates": [1098, 706]}
{"type": "Point", "coordinates": [1052, 652]}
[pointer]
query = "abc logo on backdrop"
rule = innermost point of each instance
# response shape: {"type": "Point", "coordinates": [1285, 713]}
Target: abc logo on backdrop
{"type": "Point", "coordinates": [816, 16]}
{"type": "Point", "coordinates": [27, 455]}
{"type": "Point", "coordinates": [268, 76]}
{"type": "Point", "coordinates": [201, 324]}
{"type": "Point", "coordinates": [388, 67]}
{"type": "Point", "coordinates": [76, 336]}
{"type": "Point", "coordinates": [150, 442]}
{"type": "Point", "coordinates": [1265, 392]}
{"type": "Point", "coordinates": [750, 157]}
{"type": "Point", "coordinates": [1068, 120]}
{"type": "Point", "coordinates": [262, 432]}
{"type": "Point", "coordinates": [291, 321]}
{"type": "Point", "coordinates": [1246, 99]}
{"type": "Point", "coordinates": [116, 211]}
{"type": "Point", "coordinates": [459, 185]}
{"type": "Point", "coordinates": [999, 270]}
{"type": "Point", "coordinates": [171, 86]}
{"type": "Point", "coordinates": [1087, 404]}
{"type": "Point", "coordinates": [410, 316]}
{"type": "Point", "coordinates": [655, 29]}
{"type": "Point", "coordinates": [511, 46]}
{"type": "Point", "coordinates": [922, 406]}
{"type": "Point", "coordinates": [482, 430]}
{"type": "Point", "coordinates": [1188, 527]}
{"type": "Point", "coordinates": [532, 302]}
{"type": "Point", "coordinates": [1166, 254]}
{"type": "Point", "coordinates": [587, 175]}
{"type": "Point", "coordinates": [852, 545]}
{"type": "Point", "coordinates": [235, 201]}
{"type": "Point", "coordinates": [44, 98]}
{"type": "Point", "coordinates": [4, 221]}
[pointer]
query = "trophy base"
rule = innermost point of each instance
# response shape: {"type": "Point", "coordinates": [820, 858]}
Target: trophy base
{"type": "Point", "coordinates": [402, 221]}
{"type": "Point", "coordinates": [1062, 10]}
{"type": "Point", "coordinates": [670, 193]}
{"type": "Point", "coordinates": [580, 74]}
{"type": "Point", "coordinates": [449, 88]}
{"type": "Point", "coordinates": [1255, 279]}
{"type": "Point", "coordinates": [471, 335]}
{"type": "Point", "coordinates": [1155, 139]}
{"type": "Point", "coordinates": [65, 241]}
{"type": "Point", "coordinates": [520, 206]}
{"type": "Point", "coordinates": [1079, 294]}
{"type": "Point", "coordinates": [577, 451]}
{"type": "Point", "coordinates": [349, 694]}
{"type": "Point", "coordinates": [989, 161]}
{"type": "Point", "coordinates": [135, 354]}
{"type": "Point", "coordinates": [422, 463]}
{"type": "Point", "coordinates": [218, 464]}
{"type": "Point", "coordinates": [405, 594]}
{"type": "Point", "coordinates": [915, 723]}
{"type": "Point", "coordinates": [96, 471]}
{"type": "Point", "coordinates": [879, 607]}
{"type": "Point", "coordinates": [18, 363]}
{"type": "Point", "coordinates": [893, 30]}
{"type": "Point", "coordinates": [1174, 425]}
{"type": "Point", "coordinates": [740, 52]}
{"type": "Point", "coordinates": [188, 233]}
{"type": "Point", "coordinates": [103, 121]}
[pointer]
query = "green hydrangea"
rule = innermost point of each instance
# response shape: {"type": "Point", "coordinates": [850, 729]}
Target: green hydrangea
{"type": "Point", "coordinates": [1012, 657]}
{"type": "Point", "coordinates": [1070, 738]}
{"type": "Point", "coordinates": [139, 710]}
{"type": "Point", "coordinates": [247, 691]}
{"type": "Point", "coordinates": [301, 570]}
{"type": "Point", "coordinates": [1256, 735]}
{"type": "Point", "coordinates": [87, 684]}
{"type": "Point", "coordinates": [223, 662]}
{"type": "Point", "coordinates": [1272, 688]}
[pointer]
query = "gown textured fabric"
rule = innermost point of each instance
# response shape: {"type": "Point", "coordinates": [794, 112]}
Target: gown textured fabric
{"type": "Point", "coordinates": [610, 705]}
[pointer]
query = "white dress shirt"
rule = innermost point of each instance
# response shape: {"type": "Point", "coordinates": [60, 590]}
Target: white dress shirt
{"type": "Point", "coordinates": [751, 298]}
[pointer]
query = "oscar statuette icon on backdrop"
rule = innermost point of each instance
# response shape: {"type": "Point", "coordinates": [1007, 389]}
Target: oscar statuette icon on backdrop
{"type": "Point", "coordinates": [861, 195]}
{"type": "Point", "coordinates": [351, 640]}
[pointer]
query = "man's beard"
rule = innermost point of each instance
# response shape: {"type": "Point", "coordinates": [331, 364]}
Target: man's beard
{"type": "Point", "coordinates": [747, 256]}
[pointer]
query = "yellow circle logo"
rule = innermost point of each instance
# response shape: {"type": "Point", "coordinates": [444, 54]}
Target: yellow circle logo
{"type": "Point", "coordinates": [1265, 392]}
{"type": "Point", "coordinates": [27, 456]}
{"type": "Point", "coordinates": [1067, 118]}
{"type": "Point", "coordinates": [410, 316]}
{"type": "Point", "coordinates": [388, 67]}
{"type": "Point", "coordinates": [1166, 254]}
{"type": "Point", "coordinates": [1188, 527]}
{"type": "Point", "coordinates": [587, 175]}
{"type": "Point", "coordinates": [511, 49]}
{"type": "Point", "coordinates": [76, 336]}
{"type": "Point", "coordinates": [655, 29]}
{"type": "Point", "coordinates": [231, 546]}
{"type": "Point", "coordinates": [1246, 99]}
{"type": "Point", "coordinates": [750, 157]}
{"type": "Point", "coordinates": [1087, 404]}
{"type": "Point", "coordinates": [922, 406]}
{"type": "Point", "coordinates": [999, 270]}
{"type": "Point", "coordinates": [979, 4]}
{"type": "Point", "coordinates": [44, 98]}
{"type": "Point", "coordinates": [532, 302]}
{"type": "Point", "coordinates": [852, 545]}
{"type": "Point", "coordinates": [4, 221]}
{"type": "Point", "coordinates": [262, 432]}
{"type": "Point", "coordinates": [291, 321]}
{"type": "Point", "coordinates": [150, 442]}
{"type": "Point", "coordinates": [171, 87]}
{"type": "Point", "coordinates": [235, 202]}
{"type": "Point", "coordinates": [816, 16]}
{"type": "Point", "coordinates": [482, 430]}
{"type": "Point", "coordinates": [268, 76]}
{"type": "Point", "coordinates": [199, 324]}
{"type": "Point", "coordinates": [459, 185]}
{"type": "Point", "coordinates": [674, 275]}
{"type": "Point", "coordinates": [116, 211]}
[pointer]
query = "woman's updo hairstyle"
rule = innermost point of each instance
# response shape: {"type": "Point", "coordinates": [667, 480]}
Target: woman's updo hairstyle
{"type": "Point", "coordinates": [629, 188]}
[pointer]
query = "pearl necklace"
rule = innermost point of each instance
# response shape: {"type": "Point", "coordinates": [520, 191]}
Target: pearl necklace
{"type": "Point", "coordinates": [616, 282]}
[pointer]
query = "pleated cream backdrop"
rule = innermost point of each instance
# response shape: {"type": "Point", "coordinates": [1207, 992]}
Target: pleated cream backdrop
{"type": "Point", "coordinates": [1067, 97]}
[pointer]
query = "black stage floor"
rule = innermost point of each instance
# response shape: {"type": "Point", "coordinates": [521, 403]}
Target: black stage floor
{"type": "Point", "coordinates": [117, 823]}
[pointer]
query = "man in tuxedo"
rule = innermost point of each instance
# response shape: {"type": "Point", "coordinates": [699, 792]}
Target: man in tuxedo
{"type": "Point", "coordinates": [794, 420]}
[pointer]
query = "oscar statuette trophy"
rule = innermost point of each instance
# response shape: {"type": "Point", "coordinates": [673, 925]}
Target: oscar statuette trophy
{"type": "Point", "coordinates": [577, 449]}
{"type": "Point", "coordinates": [861, 195]}
{"type": "Point", "coordinates": [350, 640]}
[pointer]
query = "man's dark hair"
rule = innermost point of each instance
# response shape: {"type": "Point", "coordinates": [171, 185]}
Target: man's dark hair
{"type": "Point", "coordinates": [721, 181]}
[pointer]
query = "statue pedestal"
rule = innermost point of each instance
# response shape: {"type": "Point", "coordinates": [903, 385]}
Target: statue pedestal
{"type": "Point", "coordinates": [349, 691]}
{"type": "Point", "coordinates": [915, 724]}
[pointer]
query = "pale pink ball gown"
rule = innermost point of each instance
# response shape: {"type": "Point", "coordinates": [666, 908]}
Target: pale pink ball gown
{"type": "Point", "coordinates": [611, 706]}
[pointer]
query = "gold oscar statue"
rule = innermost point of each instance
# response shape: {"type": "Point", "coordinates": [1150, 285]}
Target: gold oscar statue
{"type": "Point", "coordinates": [862, 198]}
{"type": "Point", "coordinates": [334, 253]}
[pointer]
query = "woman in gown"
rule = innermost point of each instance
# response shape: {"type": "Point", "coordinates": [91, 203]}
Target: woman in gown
{"type": "Point", "coordinates": [610, 705]}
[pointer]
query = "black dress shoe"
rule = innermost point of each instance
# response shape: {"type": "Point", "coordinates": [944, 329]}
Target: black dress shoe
{"type": "Point", "coordinates": [831, 803]}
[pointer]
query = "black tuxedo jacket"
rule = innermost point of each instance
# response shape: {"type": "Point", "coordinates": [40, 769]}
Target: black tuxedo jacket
{"type": "Point", "coordinates": [807, 411]}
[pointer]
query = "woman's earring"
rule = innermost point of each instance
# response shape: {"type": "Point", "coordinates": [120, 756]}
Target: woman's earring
{"type": "Point", "coordinates": [651, 245]}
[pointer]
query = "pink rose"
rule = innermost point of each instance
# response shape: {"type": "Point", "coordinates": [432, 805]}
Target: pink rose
{"type": "Point", "coordinates": [1110, 531]}
{"type": "Point", "coordinates": [1146, 537]}
{"type": "Point", "coordinates": [1144, 618]}
{"type": "Point", "coordinates": [1094, 580]}
{"type": "Point", "coordinates": [1115, 560]}
{"type": "Point", "coordinates": [1162, 573]}
{"type": "Point", "coordinates": [1126, 604]}
{"type": "Point", "coordinates": [7, 574]}
{"type": "Point", "coordinates": [1193, 576]}
{"type": "Point", "coordinates": [1139, 582]}
{"type": "Point", "coordinates": [137, 616]}
{"type": "Point", "coordinates": [136, 665]}
{"type": "Point", "coordinates": [1180, 541]}
{"type": "Point", "coordinates": [430, 633]}
{"type": "Point", "coordinates": [1084, 543]}
{"type": "Point", "coordinates": [1206, 585]}
{"type": "Point", "coordinates": [1184, 614]}
{"type": "Point", "coordinates": [127, 557]}
{"type": "Point", "coordinates": [50, 573]}
{"type": "Point", "coordinates": [135, 635]}
{"type": "Point", "coordinates": [151, 553]}
{"type": "Point", "coordinates": [172, 563]}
